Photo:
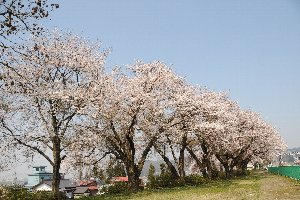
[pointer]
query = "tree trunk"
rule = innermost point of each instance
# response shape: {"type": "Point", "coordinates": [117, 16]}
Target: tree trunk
{"type": "Point", "coordinates": [227, 170]}
{"type": "Point", "coordinates": [56, 166]}
{"type": "Point", "coordinates": [198, 162]}
{"type": "Point", "coordinates": [126, 153]}
{"type": "Point", "coordinates": [243, 166]}
{"type": "Point", "coordinates": [55, 152]}
{"type": "Point", "coordinates": [206, 160]}
{"type": "Point", "coordinates": [170, 165]}
{"type": "Point", "coordinates": [225, 162]}
{"type": "Point", "coordinates": [181, 164]}
{"type": "Point", "coordinates": [207, 164]}
{"type": "Point", "coordinates": [181, 157]}
{"type": "Point", "coordinates": [133, 174]}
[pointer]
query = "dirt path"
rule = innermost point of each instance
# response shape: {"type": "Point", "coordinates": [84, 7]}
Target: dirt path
{"type": "Point", "coordinates": [277, 187]}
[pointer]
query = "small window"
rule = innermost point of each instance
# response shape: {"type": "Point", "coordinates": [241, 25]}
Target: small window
{"type": "Point", "coordinates": [37, 169]}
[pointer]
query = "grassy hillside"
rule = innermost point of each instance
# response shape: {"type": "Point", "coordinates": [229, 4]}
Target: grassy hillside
{"type": "Point", "coordinates": [258, 186]}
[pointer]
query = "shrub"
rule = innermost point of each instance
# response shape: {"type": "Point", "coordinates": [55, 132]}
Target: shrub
{"type": "Point", "coordinates": [19, 192]}
{"type": "Point", "coordinates": [216, 174]}
{"type": "Point", "coordinates": [194, 180]}
{"type": "Point", "coordinates": [167, 181]}
{"type": "Point", "coordinates": [46, 195]}
{"type": "Point", "coordinates": [239, 172]}
{"type": "Point", "coordinates": [116, 188]}
{"type": "Point", "coordinates": [13, 192]}
{"type": "Point", "coordinates": [164, 181]}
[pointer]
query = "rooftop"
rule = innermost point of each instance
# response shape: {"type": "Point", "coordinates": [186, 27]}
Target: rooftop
{"type": "Point", "coordinates": [64, 183]}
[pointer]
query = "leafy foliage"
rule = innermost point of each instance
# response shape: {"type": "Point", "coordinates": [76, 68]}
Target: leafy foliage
{"type": "Point", "coordinates": [194, 180]}
{"type": "Point", "coordinates": [115, 168]}
{"type": "Point", "coordinates": [117, 188]}
{"type": "Point", "coordinates": [18, 192]}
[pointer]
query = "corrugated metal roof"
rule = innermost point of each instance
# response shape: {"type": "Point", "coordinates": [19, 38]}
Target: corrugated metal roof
{"type": "Point", "coordinates": [62, 184]}
{"type": "Point", "coordinates": [81, 190]}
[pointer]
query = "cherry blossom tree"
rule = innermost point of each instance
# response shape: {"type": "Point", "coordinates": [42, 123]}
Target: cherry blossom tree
{"type": "Point", "coordinates": [216, 132]}
{"type": "Point", "coordinates": [245, 135]}
{"type": "Point", "coordinates": [231, 135]}
{"type": "Point", "coordinates": [173, 144]}
{"type": "Point", "coordinates": [213, 129]}
{"type": "Point", "coordinates": [258, 139]}
{"type": "Point", "coordinates": [197, 109]}
{"type": "Point", "coordinates": [19, 16]}
{"type": "Point", "coordinates": [56, 96]}
{"type": "Point", "coordinates": [134, 114]}
{"type": "Point", "coordinates": [48, 87]}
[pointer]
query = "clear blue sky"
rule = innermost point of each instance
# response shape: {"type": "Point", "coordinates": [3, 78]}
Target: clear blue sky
{"type": "Point", "coordinates": [249, 48]}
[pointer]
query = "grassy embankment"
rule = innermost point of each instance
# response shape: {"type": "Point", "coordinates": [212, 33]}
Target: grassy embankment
{"type": "Point", "coordinates": [257, 186]}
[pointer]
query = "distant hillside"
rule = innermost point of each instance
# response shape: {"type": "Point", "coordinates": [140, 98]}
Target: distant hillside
{"type": "Point", "coordinates": [294, 149]}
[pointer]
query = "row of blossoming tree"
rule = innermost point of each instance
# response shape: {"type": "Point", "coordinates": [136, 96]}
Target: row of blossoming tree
{"type": "Point", "coordinates": [57, 97]}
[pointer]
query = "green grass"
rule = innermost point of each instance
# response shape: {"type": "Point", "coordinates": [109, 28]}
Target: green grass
{"type": "Point", "coordinates": [256, 186]}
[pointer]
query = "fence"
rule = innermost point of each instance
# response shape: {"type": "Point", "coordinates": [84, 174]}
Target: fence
{"type": "Point", "coordinates": [290, 171]}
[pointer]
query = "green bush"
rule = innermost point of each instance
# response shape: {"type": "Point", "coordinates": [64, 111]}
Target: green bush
{"type": "Point", "coordinates": [194, 180]}
{"type": "Point", "coordinates": [21, 193]}
{"type": "Point", "coordinates": [116, 188]}
{"type": "Point", "coordinates": [216, 174]}
{"type": "Point", "coordinates": [46, 195]}
{"type": "Point", "coordinates": [164, 181]}
{"type": "Point", "coordinates": [13, 192]}
{"type": "Point", "coordinates": [239, 172]}
{"type": "Point", "coordinates": [167, 181]}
